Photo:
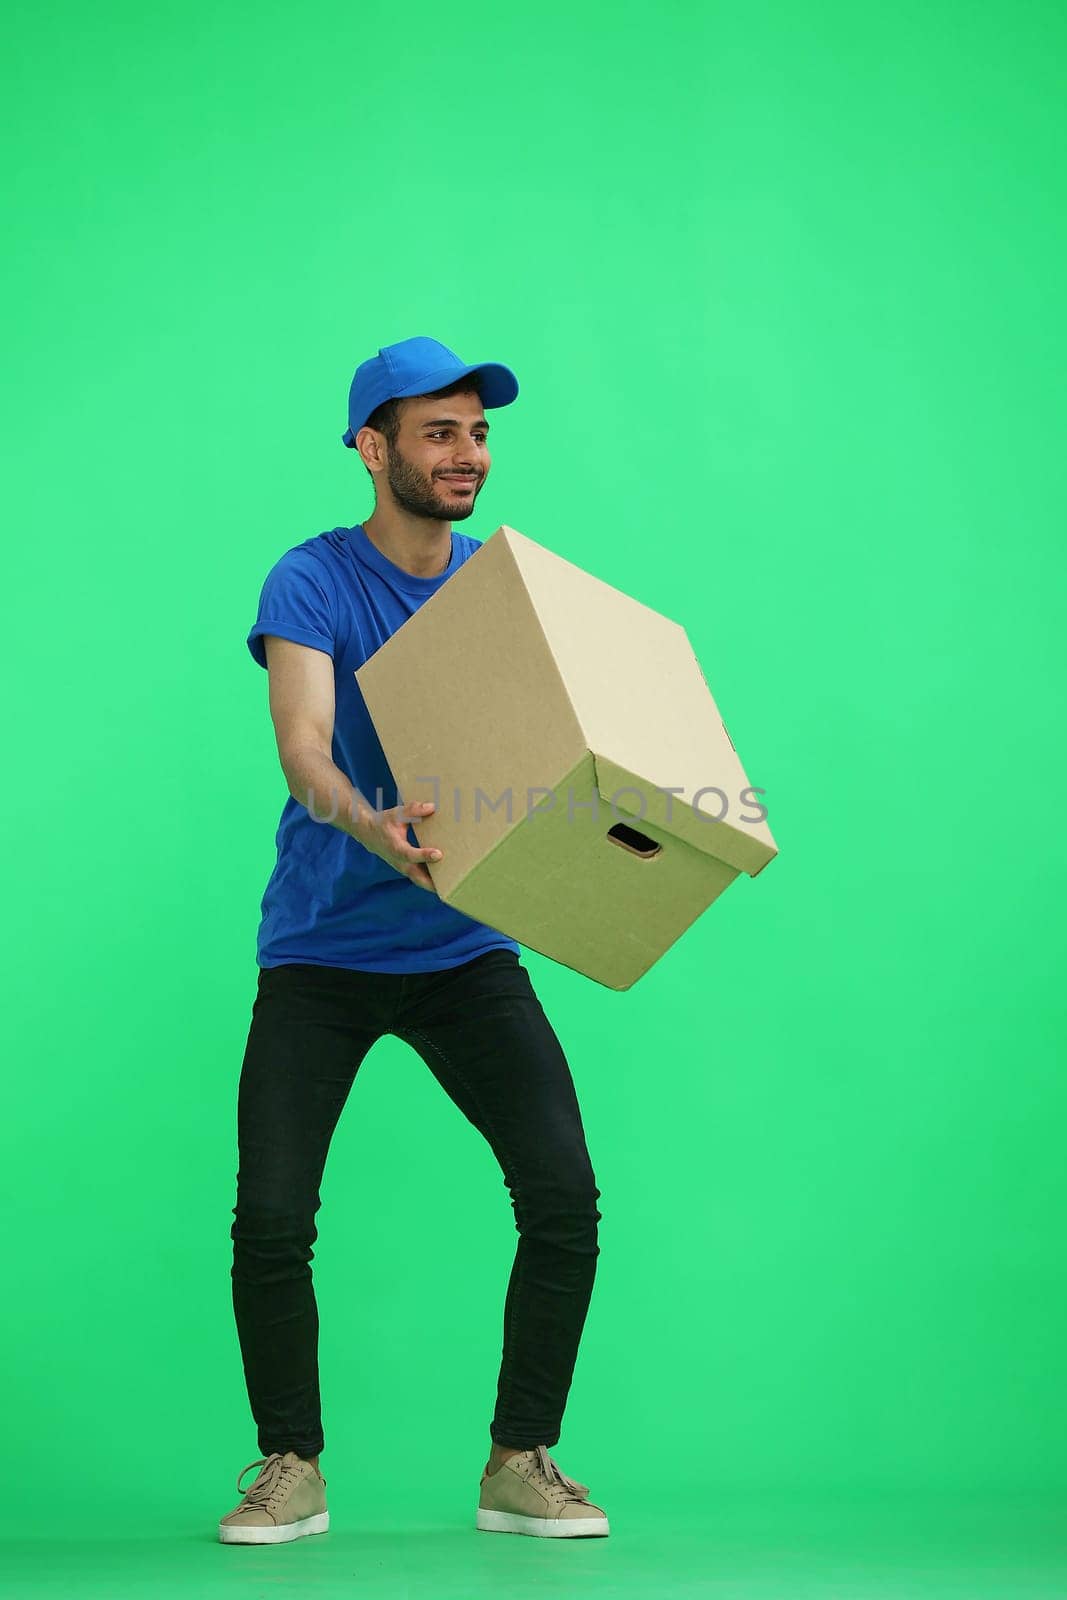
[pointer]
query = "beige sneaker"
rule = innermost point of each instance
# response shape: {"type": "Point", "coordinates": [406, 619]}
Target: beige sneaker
{"type": "Point", "coordinates": [529, 1494]}
{"type": "Point", "coordinates": [287, 1500]}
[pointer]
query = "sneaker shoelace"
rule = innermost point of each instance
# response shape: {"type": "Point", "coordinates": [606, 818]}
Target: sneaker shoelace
{"type": "Point", "coordinates": [558, 1481]}
{"type": "Point", "coordinates": [270, 1480]}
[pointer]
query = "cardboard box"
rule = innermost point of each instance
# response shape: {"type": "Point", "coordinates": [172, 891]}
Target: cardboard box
{"type": "Point", "coordinates": [562, 710]}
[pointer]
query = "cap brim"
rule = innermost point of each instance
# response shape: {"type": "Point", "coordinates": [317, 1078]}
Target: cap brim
{"type": "Point", "coordinates": [499, 385]}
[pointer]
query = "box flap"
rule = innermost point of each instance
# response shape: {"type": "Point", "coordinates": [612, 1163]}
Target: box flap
{"type": "Point", "coordinates": [643, 705]}
{"type": "Point", "coordinates": [692, 816]}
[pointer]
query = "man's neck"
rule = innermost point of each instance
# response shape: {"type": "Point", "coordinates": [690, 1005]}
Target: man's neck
{"type": "Point", "coordinates": [420, 546]}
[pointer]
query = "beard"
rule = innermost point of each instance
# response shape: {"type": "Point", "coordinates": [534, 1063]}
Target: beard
{"type": "Point", "coordinates": [424, 496]}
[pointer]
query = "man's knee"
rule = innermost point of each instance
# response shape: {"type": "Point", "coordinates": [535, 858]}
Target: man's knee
{"type": "Point", "coordinates": [271, 1244]}
{"type": "Point", "coordinates": [560, 1212]}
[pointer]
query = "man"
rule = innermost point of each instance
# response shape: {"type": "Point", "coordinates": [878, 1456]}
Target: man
{"type": "Point", "coordinates": [354, 944]}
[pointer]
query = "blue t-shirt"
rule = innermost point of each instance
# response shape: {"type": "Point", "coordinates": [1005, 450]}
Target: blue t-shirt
{"type": "Point", "coordinates": [330, 901]}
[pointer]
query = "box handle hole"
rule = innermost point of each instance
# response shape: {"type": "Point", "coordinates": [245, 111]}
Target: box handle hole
{"type": "Point", "coordinates": [638, 844]}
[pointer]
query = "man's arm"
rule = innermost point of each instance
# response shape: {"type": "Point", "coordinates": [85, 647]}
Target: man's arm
{"type": "Point", "coordinates": [302, 709]}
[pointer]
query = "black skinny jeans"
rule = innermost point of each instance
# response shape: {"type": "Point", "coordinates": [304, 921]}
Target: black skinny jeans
{"type": "Point", "coordinates": [482, 1032]}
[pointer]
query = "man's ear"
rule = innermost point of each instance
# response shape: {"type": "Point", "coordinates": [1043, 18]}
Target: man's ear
{"type": "Point", "coordinates": [371, 446]}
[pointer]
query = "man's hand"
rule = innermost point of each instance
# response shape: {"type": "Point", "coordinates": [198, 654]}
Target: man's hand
{"type": "Point", "coordinates": [385, 834]}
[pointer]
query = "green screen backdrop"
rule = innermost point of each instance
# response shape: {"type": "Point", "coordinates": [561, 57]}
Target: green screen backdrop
{"type": "Point", "coordinates": [782, 285]}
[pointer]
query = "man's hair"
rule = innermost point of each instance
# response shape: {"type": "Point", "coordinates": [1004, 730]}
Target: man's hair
{"type": "Point", "coordinates": [386, 417]}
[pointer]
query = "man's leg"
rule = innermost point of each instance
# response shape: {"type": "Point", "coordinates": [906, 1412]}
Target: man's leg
{"type": "Point", "coordinates": [311, 1028]}
{"type": "Point", "coordinates": [483, 1033]}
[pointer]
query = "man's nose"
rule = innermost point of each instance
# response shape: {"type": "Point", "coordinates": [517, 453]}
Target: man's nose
{"type": "Point", "coordinates": [468, 457]}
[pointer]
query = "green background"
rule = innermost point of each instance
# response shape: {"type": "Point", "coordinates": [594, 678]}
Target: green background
{"type": "Point", "coordinates": [782, 285]}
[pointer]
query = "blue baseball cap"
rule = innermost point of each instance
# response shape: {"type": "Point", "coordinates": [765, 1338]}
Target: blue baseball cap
{"type": "Point", "coordinates": [419, 366]}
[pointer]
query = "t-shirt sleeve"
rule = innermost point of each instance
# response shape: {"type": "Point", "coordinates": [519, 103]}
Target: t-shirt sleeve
{"type": "Point", "coordinates": [296, 602]}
